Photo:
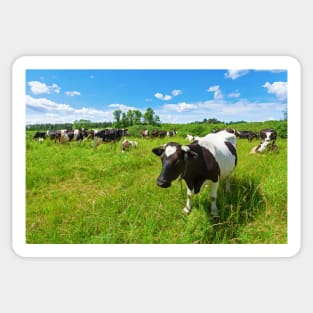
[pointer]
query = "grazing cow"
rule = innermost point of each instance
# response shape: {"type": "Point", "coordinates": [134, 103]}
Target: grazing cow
{"type": "Point", "coordinates": [171, 133]}
{"type": "Point", "coordinates": [80, 134]}
{"type": "Point", "coordinates": [109, 135]}
{"type": "Point", "coordinates": [247, 134]}
{"type": "Point", "coordinates": [127, 144]}
{"type": "Point", "coordinates": [39, 135]}
{"type": "Point", "coordinates": [154, 133]}
{"type": "Point", "coordinates": [212, 158]}
{"type": "Point", "coordinates": [162, 133]}
{"type": "Point", "coordinates": [144, 133]}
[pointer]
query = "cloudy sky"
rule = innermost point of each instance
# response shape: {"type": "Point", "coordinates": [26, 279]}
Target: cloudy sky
{"type": "Point", "coordinates": [177, 96]}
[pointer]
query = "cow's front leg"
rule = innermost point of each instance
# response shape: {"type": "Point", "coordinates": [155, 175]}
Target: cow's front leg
{"type": "Point", "coordinates": [213, 197]}
{"type": "Point", "coordinates": [187, 208]}
{"type": "Point", "coordinates": [227, 186]}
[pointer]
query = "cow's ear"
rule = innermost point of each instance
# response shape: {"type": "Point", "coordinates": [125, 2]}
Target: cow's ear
{"type": "Point", "coordinates": [158, 151]}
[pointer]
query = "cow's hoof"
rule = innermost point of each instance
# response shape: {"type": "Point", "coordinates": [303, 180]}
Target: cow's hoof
{"type": "Point", "coordinates": [186, 211]}
{"type": "Point", "coordinates": [215, 219]}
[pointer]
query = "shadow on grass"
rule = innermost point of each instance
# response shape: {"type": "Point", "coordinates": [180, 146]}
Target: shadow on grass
{"type": "Point", "coordinates": [236, 209]}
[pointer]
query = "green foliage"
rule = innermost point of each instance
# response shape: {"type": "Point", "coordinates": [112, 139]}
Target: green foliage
{"type": "Point", "coordinates": [282, 129]}
{"type": "Point", "coordinates": [150, 118]}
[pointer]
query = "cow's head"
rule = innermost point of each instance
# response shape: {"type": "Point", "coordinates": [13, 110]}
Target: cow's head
{"type": "Point", "coordinates": [174, 158]}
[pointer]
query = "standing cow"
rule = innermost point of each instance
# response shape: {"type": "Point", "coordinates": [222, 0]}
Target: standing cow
{"type": "Point", "coordinates": [247, 134]}
{"type": "Point", "coordinates": [39, 136]}
{"type": "Point", "coordinates": [212, 158]}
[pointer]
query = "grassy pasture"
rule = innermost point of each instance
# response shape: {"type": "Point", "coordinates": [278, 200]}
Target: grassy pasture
{"type": "Point", "coordinates": [77, 195]}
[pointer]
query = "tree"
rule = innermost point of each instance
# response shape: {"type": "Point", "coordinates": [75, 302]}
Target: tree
{"type": "Point", "coordinates": [130, 117]}
{"type": "Point", "coordinates": [150, 117]}
{"type": "Point", "coordinates": [137, 117]}
{"type": "Point", "coordinates": [81, 124]}
{"type": "Point", "coordinates": [117, 116]}
{"type": "Point", "coordinates": [124, 120]}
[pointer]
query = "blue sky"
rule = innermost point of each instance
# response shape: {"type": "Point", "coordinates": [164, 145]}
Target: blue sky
{"type": "Point", "coordinates": [177, 96]}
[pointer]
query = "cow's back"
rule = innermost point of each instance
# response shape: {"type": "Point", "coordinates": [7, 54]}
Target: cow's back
{"type": "Point", "coordinates": [223, 149]}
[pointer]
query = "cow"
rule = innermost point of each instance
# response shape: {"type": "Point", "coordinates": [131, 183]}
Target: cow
{"type": "Point", "coordinates": [144, 133]}
{"type": "Point", "coordinates": [154, 133]}
{"type": "Point", "coordinates": [247, 134]}
{"type": "Point", "coordinates": [109, 135]}
{"type": "Point", "coordinates": [162, 133]}
{"type": "Point", "coordinates": [191, 138]}
{"type": "Point", "coordinates": [40, 135]}
{"type": "Point", "coordinates": [229, 130]}
{"type": "Point", "coordinates": [171, 133]}
{"type": "Point", "coordinates": [268, 134]}
{"type": "Point", "coordinates": [80, 134]}
{"type": "Point", "coordinates": [264, 146]}
{"type": "Point", "coordinates": [212, 158]}
{"type": "Point", "coordinates": [127, 144]}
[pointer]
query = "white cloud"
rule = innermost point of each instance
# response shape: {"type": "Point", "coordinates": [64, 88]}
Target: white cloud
{"type": "Point", "coordinates": [176, 92]}
{"type": "Point", "coordinates": [234, 74]}
{"type": "Point", "coordinates": [46, 105]}
{"type": "Point", "coordinates": [43, 110]}
{"type": "Point", "coordinates": [279, 89]}
{"type": "Point", "coordinates": [223, 111]}
{"type": "Point", "coordinates": [160, 96]}
{"type": "Point", "coordinates": [121, 107]}
{"type": "Point", "coordinates": [217, 92]}
{"type": "Point", "coordinates": [180, 107]}
{"type": "Point", "coordinates": [37, 88]}
{"type": "Point", "coordinates": [234, 95]}
{"type": "Point", "coordinates": [72, 93]}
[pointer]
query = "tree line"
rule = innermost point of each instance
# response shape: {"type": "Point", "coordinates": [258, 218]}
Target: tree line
{"type": "Point", "coordinates": [121, 120]}
{"type": "Point", "coordinates": [135, 117]}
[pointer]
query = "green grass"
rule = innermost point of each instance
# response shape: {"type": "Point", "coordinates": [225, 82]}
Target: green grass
{"type": "Point", "coordinates": [75, 194]}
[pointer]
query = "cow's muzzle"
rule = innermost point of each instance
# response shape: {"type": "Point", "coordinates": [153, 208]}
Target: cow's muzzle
{"type": "Point", "coordinates": [163, 183]}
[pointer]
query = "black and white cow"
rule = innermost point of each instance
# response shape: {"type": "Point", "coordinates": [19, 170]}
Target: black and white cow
{"type": "Point", "coordinates": [268, 137]}
{"type": "Point", "coordinates": [40, 136]}
{"type": "Point", "coordinates": [144, 133]}
{"type": "Point", "coordinates": [229, 130]}
{"type": "Point", "coordinates": [212, 158]}
{"type": "Point", "coordinates": [171, 133]}
{"type": "Point", "coordinates": [268, 134]}
{"type": "Point", "coordinates": [128, 144]}
{"type": "Point", "coordinates": [247, 134]}
{"type": "Point", "coordinates": [109, 135]}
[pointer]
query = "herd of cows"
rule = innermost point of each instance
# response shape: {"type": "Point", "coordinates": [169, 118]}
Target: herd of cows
{"type": "Point", "coordinates": [209, 158]}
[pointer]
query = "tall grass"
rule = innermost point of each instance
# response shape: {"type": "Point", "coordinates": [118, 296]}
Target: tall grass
{"type": "Point", "coordinates": [75, 194]}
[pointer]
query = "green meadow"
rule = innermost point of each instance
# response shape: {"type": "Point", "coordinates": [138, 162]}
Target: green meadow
{"type": "Point", "coordinates": [75, 194]}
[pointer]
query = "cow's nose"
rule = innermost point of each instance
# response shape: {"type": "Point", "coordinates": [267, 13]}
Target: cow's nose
{"type": "Point", "coordinates": [163, 183]}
